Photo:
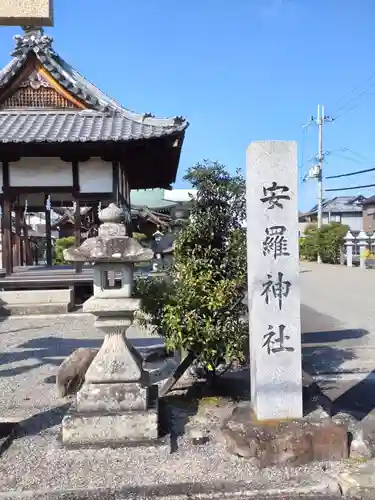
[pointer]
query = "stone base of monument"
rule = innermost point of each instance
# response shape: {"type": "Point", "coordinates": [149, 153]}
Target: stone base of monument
{"type": "Point", "coordinates": [292, 442]}
{"type": "Point", "coordinates": [114, 407]}
{"type": "Point", "coordinates": [90, 425]}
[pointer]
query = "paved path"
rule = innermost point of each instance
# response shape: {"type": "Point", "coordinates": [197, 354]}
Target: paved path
{"type": "Point", "coordinates": [338, 321]}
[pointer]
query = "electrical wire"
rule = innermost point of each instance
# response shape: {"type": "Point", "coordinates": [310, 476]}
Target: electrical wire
{"type": "Point", "coordinates": [349, 188]}
{"type": "Point", "coordinates": [348, 158]}
{"type": "Point", "coordinates": [356, 100]}
{"type": "Point", "coordinates": [354, 89]}
{"type": "Point", "coordinates": [358, 154]}
{"type": "Point", "coordinates": [351, 173]}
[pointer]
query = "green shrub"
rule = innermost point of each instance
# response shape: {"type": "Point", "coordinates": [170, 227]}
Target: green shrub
{"type": "Point", "coordinates": [61, 245]}
{"type": "Point", "coordinates": [141, 238]}
{"type": "Point", "coordinates": [326, 241]}
{"type": "Point", "coordinates": [201, 309]}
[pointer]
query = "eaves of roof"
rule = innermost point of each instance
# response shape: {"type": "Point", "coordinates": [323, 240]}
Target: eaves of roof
{"type": "Point", "coordinates": [34, 42]}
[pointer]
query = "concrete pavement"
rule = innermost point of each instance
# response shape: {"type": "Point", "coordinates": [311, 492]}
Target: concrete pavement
{"type": "Point", "coordinates": [338, 324]}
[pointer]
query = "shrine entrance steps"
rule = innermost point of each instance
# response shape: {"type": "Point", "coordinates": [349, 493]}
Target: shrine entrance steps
{"type": "Point", "coordinates": [25, 302]}
{"type": "Point", "coordinates": [44, 290]}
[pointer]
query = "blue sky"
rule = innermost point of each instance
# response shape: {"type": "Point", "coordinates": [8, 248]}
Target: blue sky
{"type": "Point", "coordinates": [239, 70]}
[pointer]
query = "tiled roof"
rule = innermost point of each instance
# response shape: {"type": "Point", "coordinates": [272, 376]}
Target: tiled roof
{"type": "Point", "coordinates": [78, 126]}
{"type": "Point", "coordinates": [341, 204]}
{"type": "Point", "coordinates": [151, 198]}
{"type": "Point", "coordinates": [126, 125]}
{"type": "Point", "coordinates": [369, 201]}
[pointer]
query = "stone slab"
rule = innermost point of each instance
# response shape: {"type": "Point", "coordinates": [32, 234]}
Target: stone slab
{"type": "Point", "coordinates": [111, 307]}
{"type": "Point", "coordinates": [34, 309]}
{"type": "Point", "coordinates": [117, 429]}
{"type": "Point", "coordinates": [296, 442]}
{"type": "Point", "coordinates": [112, 397]}
{"type": "Point", "coordinates": [273, 279]}
{"type": "Point", "coordinates": [26, 12]}
{"type": "Point", "coordinates": [14, 297]}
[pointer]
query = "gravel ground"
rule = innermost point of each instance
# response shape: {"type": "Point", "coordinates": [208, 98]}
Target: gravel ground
{"type": "Point", "coordinates": [31, 350]}
{"type": "Point", "coordinates": [341, 332]}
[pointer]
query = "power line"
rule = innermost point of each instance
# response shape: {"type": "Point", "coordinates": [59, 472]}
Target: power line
{"type": "Point", "coordinates": [349, 188]}
{"type": "Point", "coordinates": [358, 154]}
{"type": "Point", "coordinates": [351, 173]}
{"type": "Point", "coordinates": [352, 104]}
{"type": "Point", "coordinates": [348, 158]}
{"type": "Point", "coordinates": [354, 89]}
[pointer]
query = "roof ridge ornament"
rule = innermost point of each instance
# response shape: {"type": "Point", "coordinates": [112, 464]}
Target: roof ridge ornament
{"type": "Point", "coordinates": [179, 120]}
{"type": "Point", "coordinates": [32, 39]}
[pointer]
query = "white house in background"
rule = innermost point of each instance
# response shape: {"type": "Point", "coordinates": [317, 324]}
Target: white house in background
{"type": "Point", "coordinates": [179, 195]}
{"type": "Point", "coordinates": [37, 222]}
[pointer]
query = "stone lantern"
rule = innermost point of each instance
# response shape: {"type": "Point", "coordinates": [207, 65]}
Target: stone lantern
{"type": "Point", "coordinates": [114, 405]}
{"type": "Point", "coordinates": [157, 250]}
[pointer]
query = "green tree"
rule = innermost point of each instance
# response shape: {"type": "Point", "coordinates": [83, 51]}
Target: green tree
{"type": "Point", "coordinates": [61, 245]}
{"type": "Point", "coordinates": [141, 238]}
{"type": "Point", "coordinates": [327, 241]}
{"type": "Point", "coordinates": [203, 311]}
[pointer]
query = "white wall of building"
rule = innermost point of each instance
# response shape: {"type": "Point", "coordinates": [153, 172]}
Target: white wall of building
{"type": "Point", "coordinates": [96, 176]}
{"type": "Point", "coordinates": [40, 172]}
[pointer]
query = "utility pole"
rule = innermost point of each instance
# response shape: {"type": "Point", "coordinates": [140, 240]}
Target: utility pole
{"type": "Point", "coordinates": [317, 170]}
{"type": "Point", "coordinates": [320, 121]}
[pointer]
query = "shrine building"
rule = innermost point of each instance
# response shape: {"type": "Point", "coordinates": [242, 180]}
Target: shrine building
{"type": "Point", "coordinates": [63, 142]}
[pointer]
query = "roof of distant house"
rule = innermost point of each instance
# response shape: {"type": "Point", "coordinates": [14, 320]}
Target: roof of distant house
{"type": "Point", "coordinates": [339, 204]}
{"type": "Point", "coordinates": [369, 201]}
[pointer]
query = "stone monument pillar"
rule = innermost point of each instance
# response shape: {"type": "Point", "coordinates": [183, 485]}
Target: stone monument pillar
{"type": "Point", "coordinates": [273, 280]}
{"type": "Point", "coordinates": [26, 12]}
{"type": "Point", "coordinates": [114, 406]}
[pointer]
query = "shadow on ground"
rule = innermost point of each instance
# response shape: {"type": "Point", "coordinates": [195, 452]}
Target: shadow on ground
{"type": "Point", "coordinates": [320, 333]}
{"type": "Point", "coordinates": [53, 350]}
{"type": "Point", "coordinates": [321, 356]}
{"type": "Point", "coordinates": [42, 421]}
{"type": "Point", "coordinates": [45, 351]}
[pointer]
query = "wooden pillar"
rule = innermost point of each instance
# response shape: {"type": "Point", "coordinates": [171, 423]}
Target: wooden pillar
{"type": "Point", "coordinates": [115, 181]}
{"type": "Point", "coordinates": [77, 231]}
{"type": "Point", "coordinates": [26, 244]}
{"type": "Point", "coordinates": [7, 236]}
{"type": "Point", "coordinates": [22, 245]}
{"type": "Point", "coordinates": [47, 213]}
{"type": "Point", "coordinates": [17, 236]}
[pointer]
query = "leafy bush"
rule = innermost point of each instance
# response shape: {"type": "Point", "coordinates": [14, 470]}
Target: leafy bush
{"type": "Point", "coordinates": [326, 241]}
{"type": "Point", "coordinates": [155, 293]}
{"type": "Point", "coordinates": [141, 238]}
{"type": "Point", "coordinates": [201, 309]}
{"type": "Point", "coordinates": [61, 245]}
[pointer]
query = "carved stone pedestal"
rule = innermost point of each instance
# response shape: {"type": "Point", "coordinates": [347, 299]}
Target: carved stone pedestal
{"type": "Point", "coordinates": [114, 406]}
